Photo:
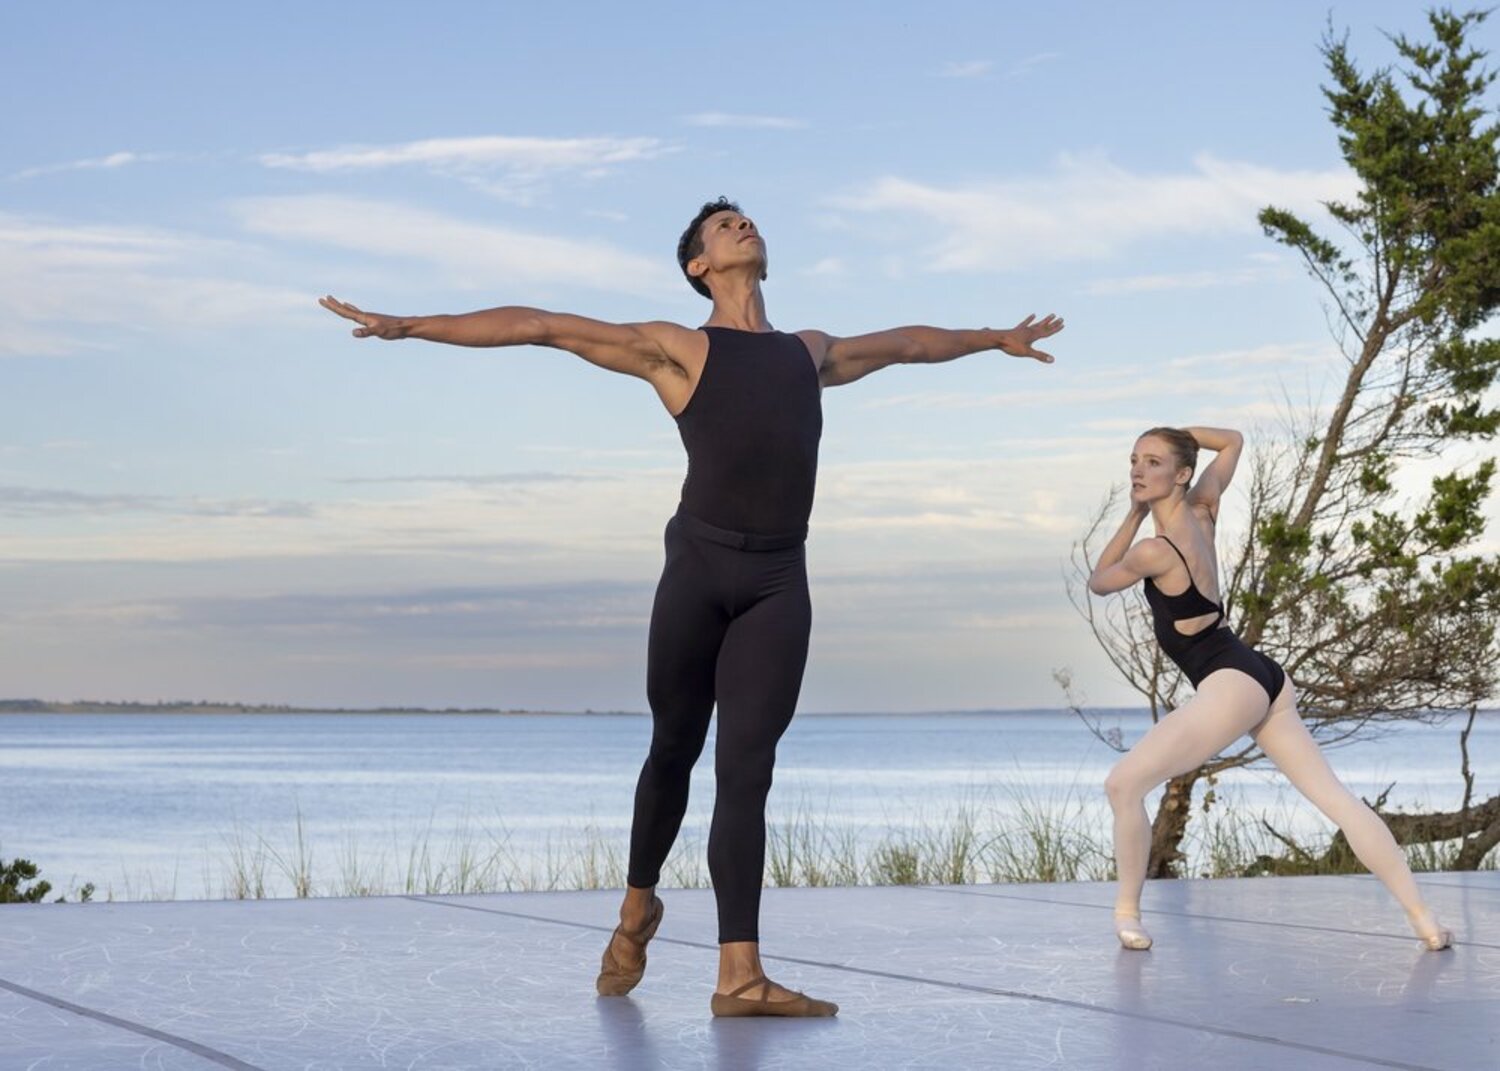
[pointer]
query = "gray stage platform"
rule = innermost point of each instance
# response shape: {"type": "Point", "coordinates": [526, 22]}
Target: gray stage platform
{"type": "Point", "coordinates": [1295, 973]}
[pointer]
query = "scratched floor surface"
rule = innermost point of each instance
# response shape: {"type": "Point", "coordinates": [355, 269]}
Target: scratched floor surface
{"type": "Point", "coordinates": [1304, 973]}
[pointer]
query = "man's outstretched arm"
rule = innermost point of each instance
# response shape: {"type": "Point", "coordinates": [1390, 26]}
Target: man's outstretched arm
{"type": "Point", "coordinates": [643, 349]}
{"type": "Point", "coordinates": [843, 360]}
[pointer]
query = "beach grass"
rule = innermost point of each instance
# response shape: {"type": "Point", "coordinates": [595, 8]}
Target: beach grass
{"type": "Point", "coordinates": [995, 835]}
{"type": "Point", "coordinates": [1027, 836]}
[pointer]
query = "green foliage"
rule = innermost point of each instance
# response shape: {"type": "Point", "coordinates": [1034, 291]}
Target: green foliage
{"type": "Point", "coordinates": [1380, 603]}
{"type": "Point", "coordinates": [18, 874]}
{"type": "Point", "coordinates": [14, 876]}
{"type": "Point", "coordinates": [1287, 229]}
{"type": "Point", "coordinates": [1334, 567]}
{"type": "Point", "coordinates": [1455, 514]}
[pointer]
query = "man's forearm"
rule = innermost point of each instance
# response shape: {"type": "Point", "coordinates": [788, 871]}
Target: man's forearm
{"type": "Point", "coordinates": [932, 345]}
{"type": "Point", "coordinates": [511, 325]}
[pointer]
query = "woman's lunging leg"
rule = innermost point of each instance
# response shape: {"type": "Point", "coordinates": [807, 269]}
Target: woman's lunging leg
{"type": "Point", "coordinates": [1288, 744]}
{"type": "Point", "coordinates": [1227, 705]}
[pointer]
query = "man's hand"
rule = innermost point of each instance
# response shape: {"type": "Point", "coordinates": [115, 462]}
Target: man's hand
{"type": "Point", "coordinates": [371, 324]}
{"type": "Point", "coordinates": [1017, 341]}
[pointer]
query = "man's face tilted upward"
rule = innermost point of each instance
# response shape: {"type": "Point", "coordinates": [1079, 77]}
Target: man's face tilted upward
{"type": "Point", "coordinates": [726, 241]}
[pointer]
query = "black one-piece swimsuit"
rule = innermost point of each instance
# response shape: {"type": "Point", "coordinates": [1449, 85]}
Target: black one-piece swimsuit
{"type": "Point", "coordinates": [1215, 647]}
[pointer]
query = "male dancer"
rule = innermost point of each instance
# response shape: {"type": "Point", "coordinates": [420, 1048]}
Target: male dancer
{"type": "Point", "coordinates": [731, 618]}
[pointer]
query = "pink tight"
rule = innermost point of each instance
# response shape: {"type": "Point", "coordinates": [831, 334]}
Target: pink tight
{"type": "Point", "coordinates": [1228, 704]}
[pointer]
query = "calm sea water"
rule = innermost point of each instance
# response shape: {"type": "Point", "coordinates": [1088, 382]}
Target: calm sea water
{"type": "Point", "coordinates": [162, 805]}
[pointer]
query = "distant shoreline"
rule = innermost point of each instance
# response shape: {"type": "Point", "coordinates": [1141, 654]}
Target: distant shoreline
{"type": "Point", "coordinates": [36, 706]}
{"type": "Point", "coordinates": [30, 706]}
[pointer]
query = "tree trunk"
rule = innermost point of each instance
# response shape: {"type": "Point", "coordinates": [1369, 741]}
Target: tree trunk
{"type": "Point", "coordinates": [1407, 829]}
{"type": "Point", "coordinates": [1170, 825]}
{"type": "Point", "coordinates": [1475, 848]}
{"type": "Point", "coordinates": [1444, 825]}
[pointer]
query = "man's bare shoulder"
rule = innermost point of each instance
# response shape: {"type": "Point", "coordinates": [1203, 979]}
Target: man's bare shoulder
{"type": "Point", "coordinates": [686, 346]}
{"type": "Point", "coordinates": [666, 330]}
{"type": "Point", "coordinates": [817, 343]}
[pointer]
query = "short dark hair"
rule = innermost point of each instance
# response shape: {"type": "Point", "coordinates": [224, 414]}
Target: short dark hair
{"type": "Point", "coordinates": [1184, 446]}
{"type": "Point", "coordinates": [690, 245]}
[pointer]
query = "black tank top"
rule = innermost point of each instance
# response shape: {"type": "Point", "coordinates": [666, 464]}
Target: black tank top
{"type": "Point", "coordinates": [751, 430]}
{"type": "Point", "coordinates": [1167, 610]}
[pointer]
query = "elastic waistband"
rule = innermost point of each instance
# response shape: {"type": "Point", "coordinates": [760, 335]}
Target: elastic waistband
{"type": "Point", "coordinates": [738, 540]}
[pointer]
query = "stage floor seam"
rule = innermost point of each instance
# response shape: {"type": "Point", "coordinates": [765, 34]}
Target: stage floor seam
{"type": "Point", "coordinates": [956, 891]}
{"type": "Point", "coordinates": [223, 1059]}
{"type": "Point", "coordinates": [968, 987]}
{"type": "Point", "coordinates": [1014, 976]}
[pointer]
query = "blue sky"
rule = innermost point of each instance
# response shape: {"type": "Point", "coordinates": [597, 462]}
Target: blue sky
{"type": "Point", "coordinates": [207, 488]}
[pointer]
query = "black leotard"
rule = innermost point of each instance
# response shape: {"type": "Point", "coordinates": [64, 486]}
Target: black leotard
{"type": "Point", "coordinates": [751, 430]}
{"type": "Point", "coordinates": [732, 615]}
{"type": "Point", "coordinates": [1213, 648]}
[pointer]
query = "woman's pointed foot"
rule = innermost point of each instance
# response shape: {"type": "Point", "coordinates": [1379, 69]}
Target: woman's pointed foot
{"type": "Point", "coordinates": [1131, 932]}
{"type": "Point", "coordinates": [1433, 936]}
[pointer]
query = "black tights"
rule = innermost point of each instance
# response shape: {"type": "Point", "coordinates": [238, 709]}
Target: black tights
{"type": "Point", "coordinates": [730, 625]}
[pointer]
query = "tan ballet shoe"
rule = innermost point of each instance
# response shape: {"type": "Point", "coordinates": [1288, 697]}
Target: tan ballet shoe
{"type": "Point", "coordinates": [1434, 937]}
{"type": "Point", "coordinates": [1131, 933]}
{"type": "Point", "coordinates": [615, 980]}
{"type": "Point", "coordinates": [801, 1006]}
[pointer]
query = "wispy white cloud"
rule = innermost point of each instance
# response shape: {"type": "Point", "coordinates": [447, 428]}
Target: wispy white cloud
{"type": "Point", "coordinates": [1025, 66]}
{"type": "Point", "coordinates": [28, 340]}
{"type": "Point", "coordinates": [1196, 280]}
{"type": "Point", "coordinates": [759, 122]}
{"type": "Point", "coordinates": [475, 255]}
{"type": "Point", "coordinates": [1241, 373]}
{"type": "Point", "coordinates": [58, 280]}
{"type": "Point", "coordinates": [499, 479]}
{"type": "Point", "coordinates": [34, 502]}
{"type": "Point", "coordinates": [988, 497]}
{"type": "Point", "coordinates": [512, 168]}
{"type": "Point", "coordinates": [966, 69]}
{"type": "Point", "coordinates": [1291, 355]}
{"type": "Point", "coordinates": [1112, 425]}
{"type": "Point", "coordinates": [68, 245]}
{"type": "Point", "coordinates": [560, 660]}
{"type": "Point", "coordinates": [671, 448]}
{"type": "Point", "coordinates": [874, 513]}
{"type": "Point", "coordinates": [828, 266]}
{"type": "Point", "coordinates": [950, 556]}
{"type": "Point", "coordinates": [982, 69]}
{"type": "Point", "coordinates": [522, 528]}
{"type": "Point", "coordinates": [106, 163]}
{"type": "Point", "coordinates": [529, 154]}
{"type": "Point", "coordinates": [1088, 209]}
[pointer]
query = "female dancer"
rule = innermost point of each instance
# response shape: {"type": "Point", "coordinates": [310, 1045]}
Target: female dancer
{"type": "Point", "coordinates": [1237, 690]}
